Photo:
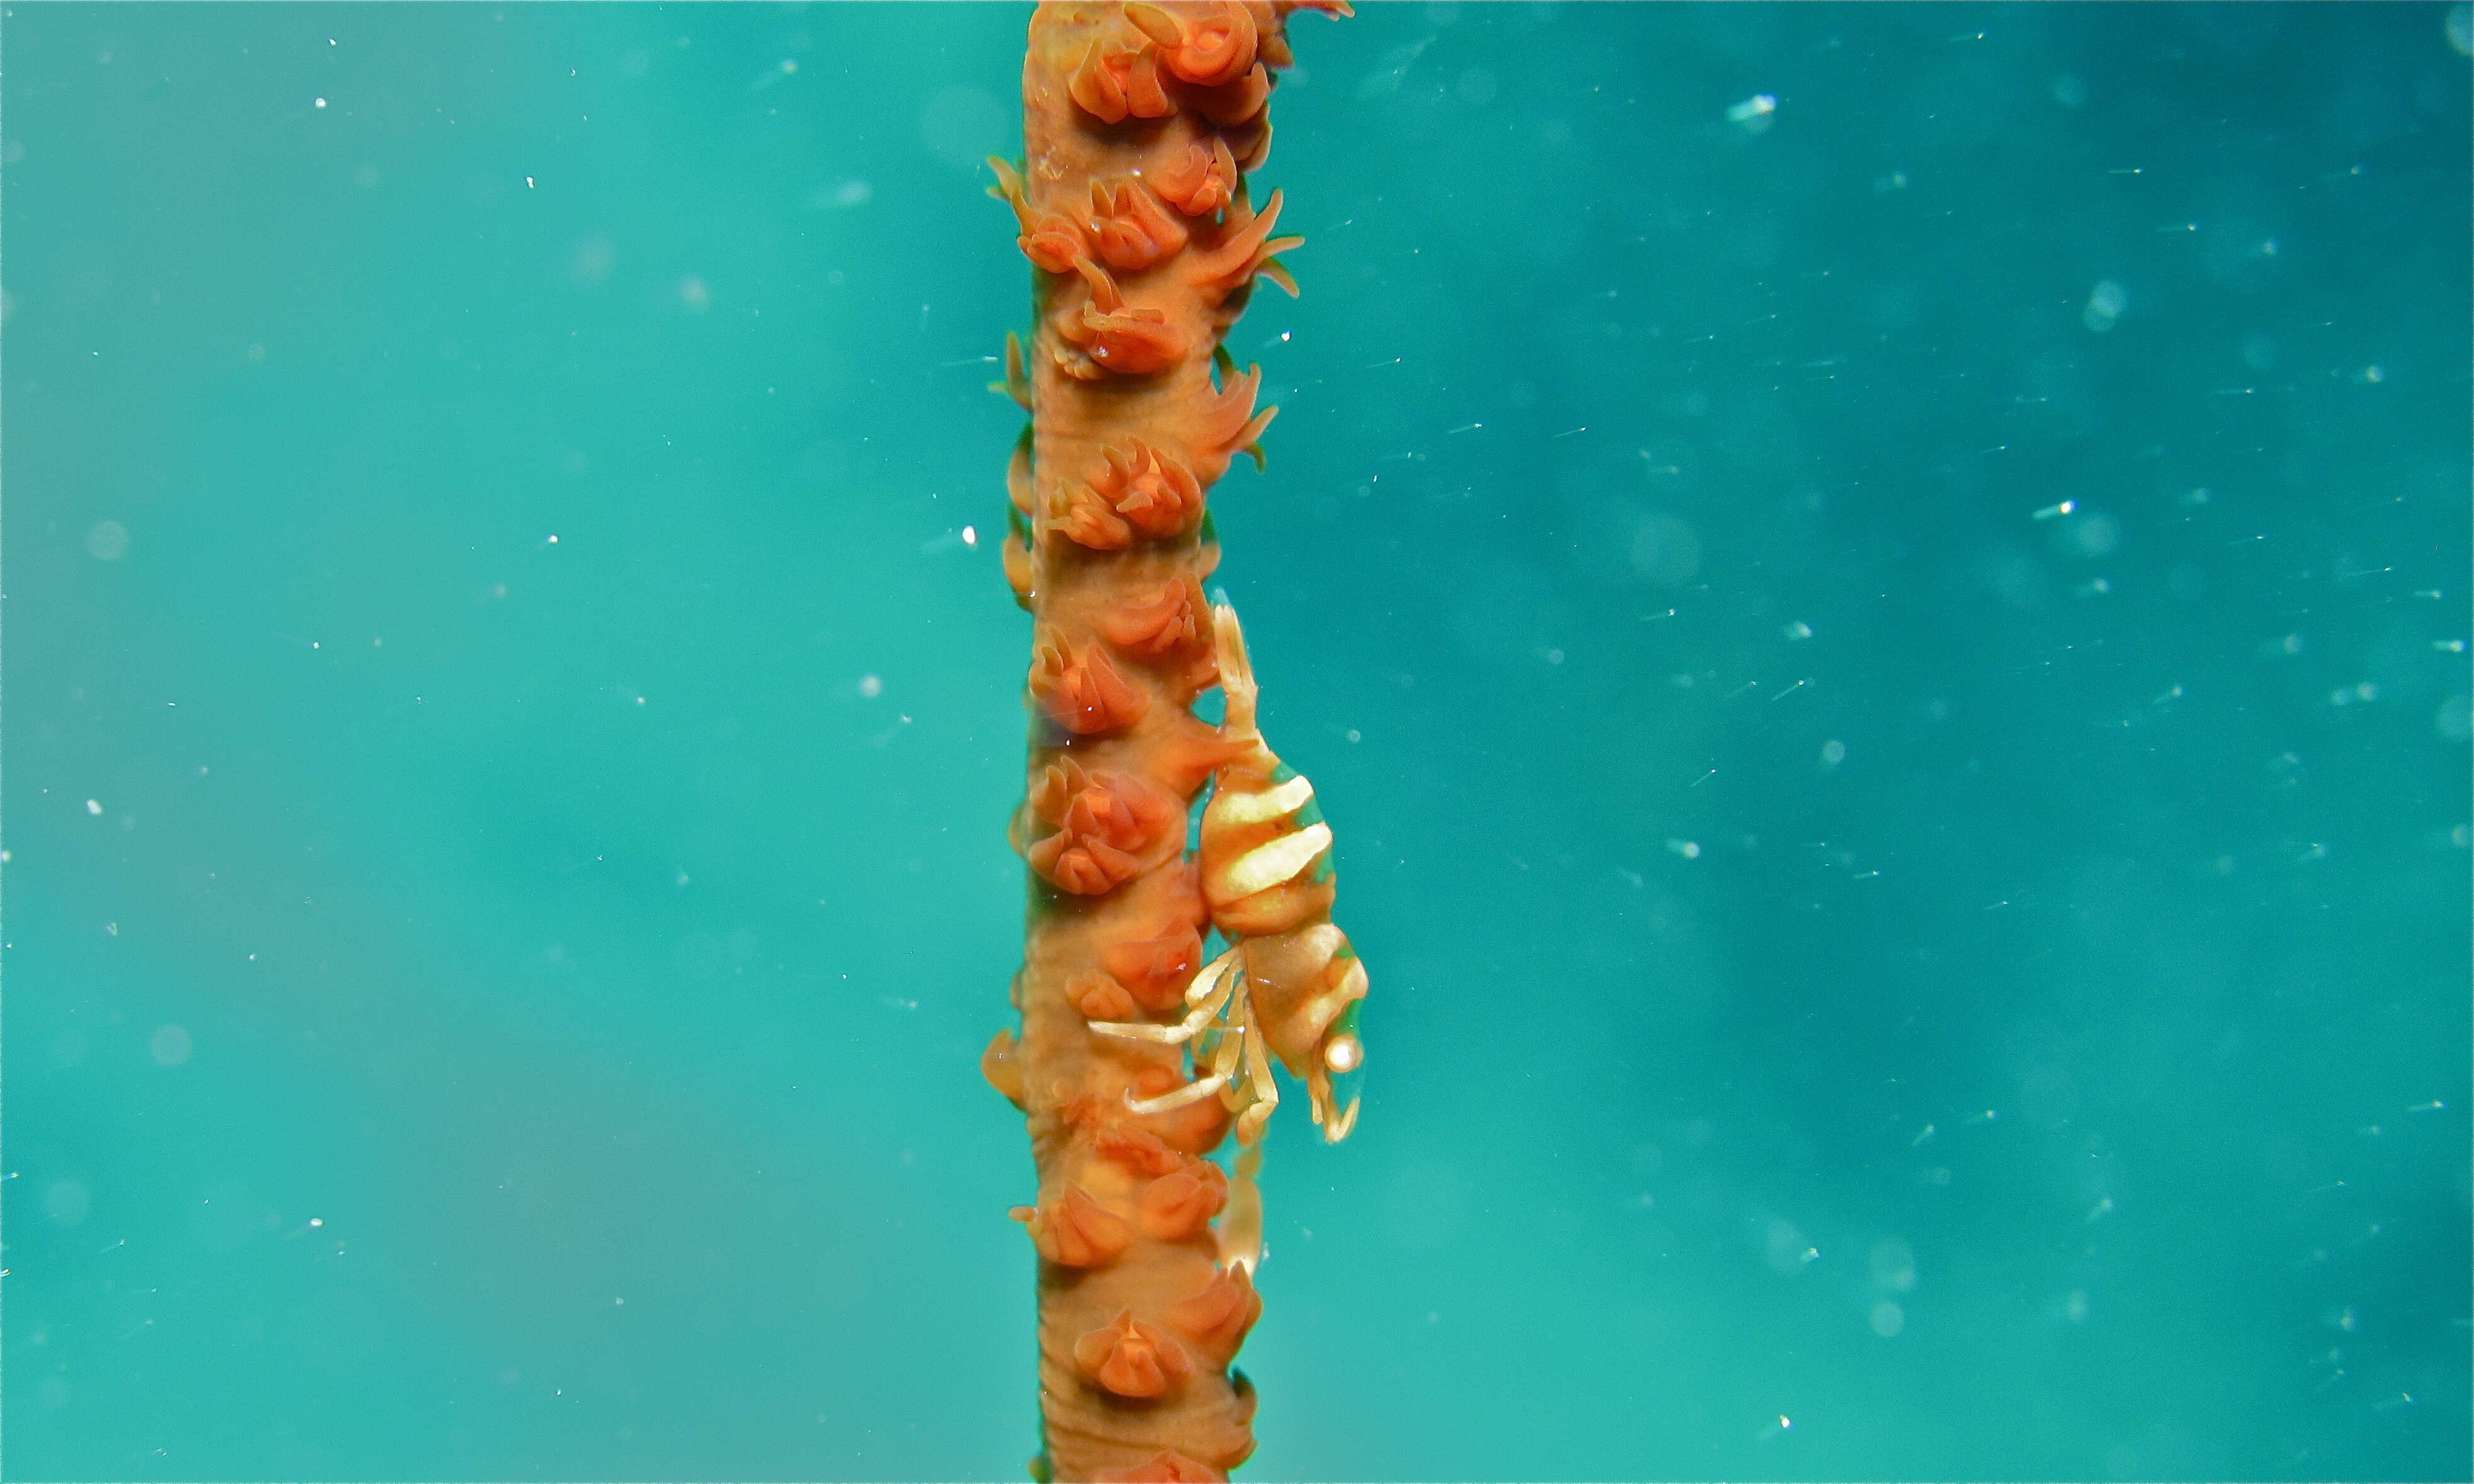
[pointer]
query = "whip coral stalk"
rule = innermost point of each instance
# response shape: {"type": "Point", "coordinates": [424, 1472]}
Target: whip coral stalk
{"type": "Point", "coordinates": [1135, 1056]}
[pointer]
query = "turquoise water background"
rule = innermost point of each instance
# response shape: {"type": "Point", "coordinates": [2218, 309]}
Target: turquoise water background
{"type": "Point", "coordinates": [1889, 667]}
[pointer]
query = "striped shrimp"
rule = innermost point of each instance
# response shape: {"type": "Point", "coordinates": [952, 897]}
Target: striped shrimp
{"type": "Point", "coordinates": [1289, 984]}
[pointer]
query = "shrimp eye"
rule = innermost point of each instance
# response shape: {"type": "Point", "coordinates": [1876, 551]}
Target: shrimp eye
{"type": "Point", "coordinates": [1342, 1053]}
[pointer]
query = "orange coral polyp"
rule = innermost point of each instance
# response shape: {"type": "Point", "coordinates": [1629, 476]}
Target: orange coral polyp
{"type": "Point", "coordinates": [1115, 335]}
{"type": "Point", "coordinates": [1200, 180]}
{"type": "Point", "coordinates": [1073, 1231]}
{"type": "Point", "coordinates": [1170, 618]}
{"type": "Point", "coordinates": [1086, 868]}
{"type": "Point", "coordinates": [1155, 971]}
{"type": "Point", "coordinates": [1131, 228]}
{"type": "Point", "coordinates": [1117, 82]}
{"type": "Point", "coordinates": [1102, 998]}
{"type": "Point", "coordinates": [1078, 514]}
{"type": "Point", "coordinates": [1117, 807]}
{"type": "Point", "coordinates": [1156, 495]}
{"type": "Point", "coordinates": [1139, 1150]}
{"type": "Point", "coordinates": [1181, 1205]}
{"type": "Point", "coordinates": [1210, 48]}
{"type": "Point", "coordinates": [1054, 244]}
{"type": "Point", "coordinates": [1131, 1360]}
{"type": "Point", "coordinates": [1130, 342]}
{"type": "Point", "coordinates": [1083, 690]}
{"type": "Point", "coordinates": [1217, 1318]}
{"type": "Point", "coordinates": [1106, 824]}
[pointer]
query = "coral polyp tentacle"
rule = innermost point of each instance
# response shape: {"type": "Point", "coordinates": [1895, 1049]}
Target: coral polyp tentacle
{"type": "Point", "coordinates": [1251, 144]}
{"type": "Point", "coordinates": [1226, 421]}
{"type": "Point", "coordinates": [1016, 385]}
{"type": "Point", "coordinates": [1000, 1063]}
{"type": "Point", "coordinates": [1018, 474]}
{"type": "Point", "coordinates": [1245, 251]}
{"type": "Point", "coordinates": [1236, 102]}
{"type": "Point", "coordinates": [1010, 185]}
{"type": "Point", "coordinates": [1020, 571]}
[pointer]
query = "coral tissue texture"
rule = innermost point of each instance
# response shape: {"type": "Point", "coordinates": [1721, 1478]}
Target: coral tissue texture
{"type": "Point", "coordinates": [1141, 123]}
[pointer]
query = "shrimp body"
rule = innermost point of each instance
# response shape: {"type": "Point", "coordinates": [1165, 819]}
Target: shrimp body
{"type": "Point", "coordinates": [1289, 985]}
